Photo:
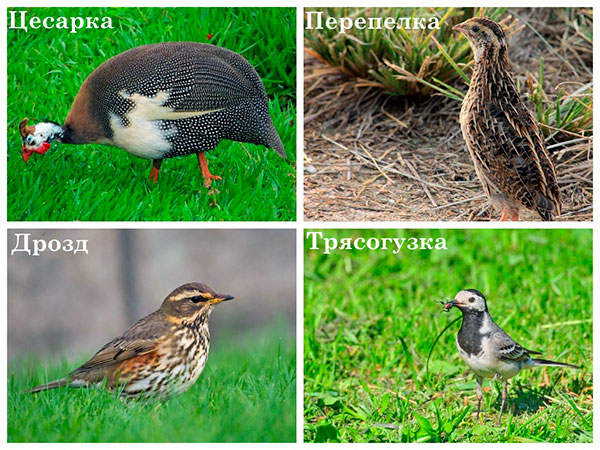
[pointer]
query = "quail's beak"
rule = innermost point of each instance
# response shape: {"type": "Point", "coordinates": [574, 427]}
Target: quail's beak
{"type": "Point", "coordinates": [218, 298]}
{"type": "Point", "coordinates": [460, 27]}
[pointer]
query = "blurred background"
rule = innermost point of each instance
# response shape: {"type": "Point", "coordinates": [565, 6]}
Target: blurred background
{"type": "Point", "coordinates": [65, 305]}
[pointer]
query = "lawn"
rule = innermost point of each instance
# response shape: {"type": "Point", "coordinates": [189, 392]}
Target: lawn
{"type": "Point", "coordinates": [93, 182]}
{"type": "Point", "coordinates": [247, 393]}
{"type": "Point", "coordinates": [374, 371]}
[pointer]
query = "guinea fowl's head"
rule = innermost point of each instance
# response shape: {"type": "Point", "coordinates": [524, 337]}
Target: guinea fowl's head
{"type": "Point", "coordinates": [38, 138]}
{"type": "Point", "coordinates": [483, 34]}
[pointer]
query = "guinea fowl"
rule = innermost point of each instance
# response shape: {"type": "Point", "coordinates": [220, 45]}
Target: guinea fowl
{"type": "Point", "coordinates": [503, 137]}
{"type": "Point", "coordinates": [163, 100]}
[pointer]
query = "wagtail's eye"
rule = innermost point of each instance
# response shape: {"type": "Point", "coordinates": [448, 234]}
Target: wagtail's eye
{"type": "Point", "coordinates": [475, 29]}
{"type": "Point", "coordinates": [472, 299]}
{"type": "Point", "coordinates": [196, 298]}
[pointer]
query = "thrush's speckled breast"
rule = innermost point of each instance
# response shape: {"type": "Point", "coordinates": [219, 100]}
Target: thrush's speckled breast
{"type": "Point", "coordinates": [503, 137]}
{"type": "Point", "coordinates": [161, 355]}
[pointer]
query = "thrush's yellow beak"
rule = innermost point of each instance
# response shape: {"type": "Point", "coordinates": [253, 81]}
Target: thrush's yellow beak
{"type": "Point", "coordinates": [218, 298]}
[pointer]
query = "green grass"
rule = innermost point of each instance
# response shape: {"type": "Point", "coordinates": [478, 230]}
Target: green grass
{"type": "Point", "coordinates": [371, 320]}
{"type": "Point", "coordinates": [92, 182]}
{"type": "Point", "coordinates": [397, 60]}
{"type": "Point", "coordinates": [247, 393]}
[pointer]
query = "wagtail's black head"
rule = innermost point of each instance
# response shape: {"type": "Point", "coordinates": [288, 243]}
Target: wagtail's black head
{"type": "Point", "coordinates": [467, 300]}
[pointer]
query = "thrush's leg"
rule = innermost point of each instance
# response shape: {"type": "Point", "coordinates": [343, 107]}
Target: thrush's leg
{"type": "Point", "coordinates": [155, 169]}
{"type": "Point", "coordinates": [208, 177]}
{"type": "Point", "coordinates": [504, 395]}
{"type": "Point", "coordinates": [479, 395]}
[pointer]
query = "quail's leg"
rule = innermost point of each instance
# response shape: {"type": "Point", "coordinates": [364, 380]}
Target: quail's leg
{"type": "Point", "coordinates": [479, 396]}
{"type": "Point", "coordinates": [509, 215]}
{"type": "Point", "coordinates": [208, 177]}
{"type": "Point", "coordinates": [155, 169]}
{"type": "Point", "coordinates": [504, 395]}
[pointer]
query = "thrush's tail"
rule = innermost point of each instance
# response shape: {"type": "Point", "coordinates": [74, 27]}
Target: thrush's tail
{"type": "Point", "coordinates": [547, 362]}
{"type": "Point", "coordinates": [52, 385]}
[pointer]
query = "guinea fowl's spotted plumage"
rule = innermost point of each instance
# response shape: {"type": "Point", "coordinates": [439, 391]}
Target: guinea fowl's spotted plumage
{"type": "Point", "coordinates": [503, 137]}
{"type": "Point", "coordinates": [164, 100]}
{"type": "Point", "coordinates": [161, 355]}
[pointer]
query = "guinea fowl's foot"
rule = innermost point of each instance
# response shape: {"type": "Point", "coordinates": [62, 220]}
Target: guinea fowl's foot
{"type": "Point", "coordinates": [153, 175]}
{"type": "Point", "coordinates": [155, 170]}
{"type": "Point", "coordinates": [208, 177]}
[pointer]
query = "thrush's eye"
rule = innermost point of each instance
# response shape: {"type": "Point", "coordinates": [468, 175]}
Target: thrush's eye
{"type": "Point", "coordinates": [472, 299]}
{"type": "Point", "coordinates": [196, 298]}
{"type": "Point", "coordinates": [475, 29]}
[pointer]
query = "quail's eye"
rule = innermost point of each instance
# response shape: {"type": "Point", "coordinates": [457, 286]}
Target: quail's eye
{"type": "Point", "coordinates": [475, 29]}
{"type": "Point", "coordinates": [471, 300]}
{"type": "Point", "coordinates": [196, 298]}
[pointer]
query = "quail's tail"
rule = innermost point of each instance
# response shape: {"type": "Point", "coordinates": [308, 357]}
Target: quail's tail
{"type": "Point", "coordinates": [547, 362]}
{"type": "Point", "coordinates": [52, 385]}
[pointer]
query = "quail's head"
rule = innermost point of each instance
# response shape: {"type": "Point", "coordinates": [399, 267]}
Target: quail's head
{"type": "Point", "coordinates": [190, 300]}
{"type": "Point", "coordinates": [482, 33]}
{"type": "Point", "coordinates": [467, 300]}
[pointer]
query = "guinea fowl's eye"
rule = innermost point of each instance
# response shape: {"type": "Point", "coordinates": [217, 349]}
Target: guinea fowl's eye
{"type": "Point", "coordinates": [472, 299]}
{"type": "Point", "coordinates": [196, 298]}
{"type": "Point", "coordinates": [475, 29]}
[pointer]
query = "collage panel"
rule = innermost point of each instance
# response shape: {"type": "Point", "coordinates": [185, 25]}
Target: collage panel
{"type": "Point", "coordinates": [109, 334]}
{"type": "Point", "coordinates": [448, 114]}
{"type": "Point", "coordinates": [405, 329]}
{"type": "Point", "coordinates": [207, 96]}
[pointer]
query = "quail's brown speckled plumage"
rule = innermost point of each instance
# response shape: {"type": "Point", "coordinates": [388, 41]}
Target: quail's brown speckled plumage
{"type": "Point", "coordinates": [161, 355]}
{"type": "Point", "coordinates": [502, 135]}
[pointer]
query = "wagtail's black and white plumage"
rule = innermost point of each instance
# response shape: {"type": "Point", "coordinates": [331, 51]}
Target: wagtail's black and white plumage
{"type": "Point", "coordinates": [486, 348]}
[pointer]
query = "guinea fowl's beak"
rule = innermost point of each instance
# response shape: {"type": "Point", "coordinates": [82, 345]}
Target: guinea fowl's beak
{"type": "Point", "coordinates": [218, 298]}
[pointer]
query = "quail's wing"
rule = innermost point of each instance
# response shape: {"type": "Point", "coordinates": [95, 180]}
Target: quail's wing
{"type": "Point", "coordinates": [508, 348]}
{"type": "Point", "coordinates": [138, 340]}
{"type": "Point", "coordinates": [513, 154]}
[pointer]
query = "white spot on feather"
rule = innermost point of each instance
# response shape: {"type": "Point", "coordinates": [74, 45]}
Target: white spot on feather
{"type": "Point", "coordinates": [146, 136]}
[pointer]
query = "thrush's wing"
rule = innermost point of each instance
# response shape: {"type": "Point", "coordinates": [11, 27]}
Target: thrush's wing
{"type": "Point", "coordinates": [138, 340]}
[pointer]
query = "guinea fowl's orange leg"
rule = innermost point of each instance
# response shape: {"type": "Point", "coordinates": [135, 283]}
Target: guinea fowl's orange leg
{"type": "Point", "coordinates": [208, 177]}
{"type": "Point", "coordinates": [155, 169]}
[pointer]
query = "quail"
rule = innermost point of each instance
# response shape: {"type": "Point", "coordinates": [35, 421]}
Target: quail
{"type": "Point", "coordinates": [160, 356]}
{"type": "Point", "coordinates": [163, 100]}
{"type": "Point", "coordinates": [487, 349]}
{"type": "Point", "coordinates": [502, 135]}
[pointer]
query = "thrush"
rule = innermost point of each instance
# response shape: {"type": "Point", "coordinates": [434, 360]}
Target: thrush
{"type": "Point", "coordinates": [487, 349]}
{"type": "Point", "coordinates": [502, 135]}
{"type": "Point", "coordinates": [161, 355]}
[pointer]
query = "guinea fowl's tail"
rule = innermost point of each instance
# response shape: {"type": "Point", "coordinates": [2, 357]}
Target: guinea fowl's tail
{"type": "Point", "coordinates": [274, 141]}
{"type": "Point", "coordinates": [52, 385]}
{"type": "Point", "coordinates": [547, 362]}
